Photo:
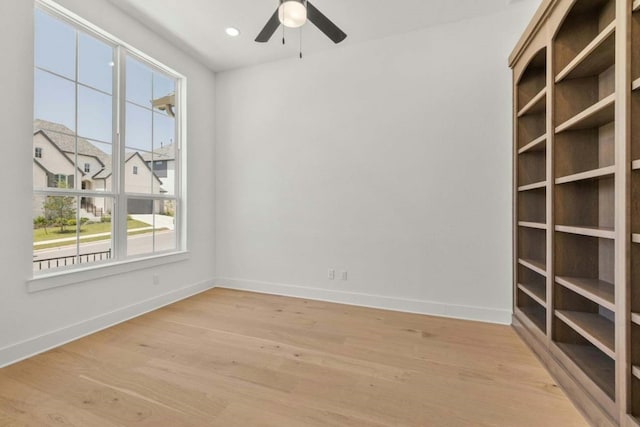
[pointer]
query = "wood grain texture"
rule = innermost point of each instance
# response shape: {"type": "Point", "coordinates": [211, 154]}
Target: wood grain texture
{"type": "Point", "coordinates": [229, 358]}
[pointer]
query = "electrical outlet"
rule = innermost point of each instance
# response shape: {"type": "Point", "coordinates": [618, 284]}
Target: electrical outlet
{"type": "Point", "coordinates": [332, 274]}
{"type": "Point", "coordinates": [344, 275]}
{"type": "Point", "coordinates": [156, 279]}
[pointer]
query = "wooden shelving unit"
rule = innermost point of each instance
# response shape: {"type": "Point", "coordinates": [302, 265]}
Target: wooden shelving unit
{"type": "Point", "coordinates": [531, 183]}
{"type": "Point", "coordinates": [585, 196]}
{"type": "Point", "coordinates": [633, 326]}
{"type": "Point", "coordinates": [577, 200]}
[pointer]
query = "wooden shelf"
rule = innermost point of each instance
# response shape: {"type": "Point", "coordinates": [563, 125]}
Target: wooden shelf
{"type": "Point", "coordinates": [592, 174]}
{"type": "Point", "coordinates": [635, 318]}
{"type": "Point", "coordinates": [537, 105]}
{"type": "Point", "coordinates": [598, 366]}
{"type": "Point", "coordinates": [600, 232]}
{"type": "Point", "coordinates": [537, 225]}
{"type": "Point", "coordinates": [635, 238]}
{"type": "Point", "coordinates": [596, 329]}
{"type": "Point", "coordinates": [536, 315]}
{"type": "Point", "coordinates": [595, 116]}
{"type": "Point", "coordinates": [636, 371]}
{"type": "Point", "coordinates": [635, 85]}
{"type": "Point", "coordinates": [636, 5]}
{"type": "Point", "coordinates": [536, 292]}
{"type": "Point", "coordinates": [534, 186]}
{"type": "Point", "coordinates": [596, 57]}
{"type": "Point", "coordinates": [598, 291]}
{"type": "Point", "coordinates": [635, 165]}
{"type": "Point", "coordinates": [534, 265]}
{"type": "Point", "coordinates": [538, 144]}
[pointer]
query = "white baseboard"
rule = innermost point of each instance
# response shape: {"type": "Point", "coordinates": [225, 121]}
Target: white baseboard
{"type": "Point", "coordinates": [22, 350]}
{"type": "Point", "coordinates": [481, 314]}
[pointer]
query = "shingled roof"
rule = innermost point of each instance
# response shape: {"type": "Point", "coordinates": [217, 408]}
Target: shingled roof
{"type": "Point", "coordinates": [64, 138]}
{"type": "Point", "coordinates": [166, 152]}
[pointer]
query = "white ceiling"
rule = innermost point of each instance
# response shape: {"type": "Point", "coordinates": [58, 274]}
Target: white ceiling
{"type": "Point", "coordinates": [199, 25]}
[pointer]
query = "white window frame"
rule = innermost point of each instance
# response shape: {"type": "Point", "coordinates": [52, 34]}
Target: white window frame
{"type": "Point", "coordinates": [121, 263]}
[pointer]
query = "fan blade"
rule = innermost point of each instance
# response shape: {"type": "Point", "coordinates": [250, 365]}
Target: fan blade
{"type": "Point", "coordinates": [269, 29]}
{"type": "Point", "coordinates": [324, 24]}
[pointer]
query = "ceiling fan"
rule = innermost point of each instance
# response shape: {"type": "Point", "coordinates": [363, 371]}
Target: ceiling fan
{"type": "Point", "coordinates": [294, 14]}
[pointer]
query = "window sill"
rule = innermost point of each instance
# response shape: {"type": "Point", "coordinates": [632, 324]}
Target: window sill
{"type": "Point", "coordinates": [70, 277]}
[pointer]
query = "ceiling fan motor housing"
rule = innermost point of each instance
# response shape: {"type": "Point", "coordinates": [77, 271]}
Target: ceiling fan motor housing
{"type": "Point", "coordinates": [292, 13]}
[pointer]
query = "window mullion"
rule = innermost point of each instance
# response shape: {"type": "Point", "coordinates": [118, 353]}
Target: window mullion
{"type": "Point", "coordinates": [120, 223]}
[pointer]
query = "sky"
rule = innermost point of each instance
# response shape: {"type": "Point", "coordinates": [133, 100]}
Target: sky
{"type": "Point", "coordinates": [55, 96]}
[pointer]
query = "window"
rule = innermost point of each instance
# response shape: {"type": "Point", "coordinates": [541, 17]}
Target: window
{"type": "Point", "coordinates": [100, 102]}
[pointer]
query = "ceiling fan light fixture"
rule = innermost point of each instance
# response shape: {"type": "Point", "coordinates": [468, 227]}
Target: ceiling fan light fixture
{"type": "Point", "coordinates": [292, 13]}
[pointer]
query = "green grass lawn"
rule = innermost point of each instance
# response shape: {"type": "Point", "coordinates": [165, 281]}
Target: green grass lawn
{"type": "Point", "coordinates": [93, 239]}
{"type": "Point", "coordinates": [53, 233]}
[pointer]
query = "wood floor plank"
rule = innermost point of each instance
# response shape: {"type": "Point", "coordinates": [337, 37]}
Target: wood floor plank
{"type": "Point", "coordinates": [229, 358]}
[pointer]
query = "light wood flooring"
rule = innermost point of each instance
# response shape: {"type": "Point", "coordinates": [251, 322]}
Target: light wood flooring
{"type": "Point", "coordinates": [228, 358]}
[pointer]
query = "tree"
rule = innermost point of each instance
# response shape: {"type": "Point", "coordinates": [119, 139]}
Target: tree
{"type": "Point", "coordinates": [58, 210]}
{"type": "Point", "coordinates": [40, 222]}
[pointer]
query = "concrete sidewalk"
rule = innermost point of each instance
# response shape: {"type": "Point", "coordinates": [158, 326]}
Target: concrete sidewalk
{"type": "Point", "coordinates": [161, 221]}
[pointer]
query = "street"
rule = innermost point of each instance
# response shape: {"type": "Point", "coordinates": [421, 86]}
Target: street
{"type": "Point", "coordinates": [136, 245]}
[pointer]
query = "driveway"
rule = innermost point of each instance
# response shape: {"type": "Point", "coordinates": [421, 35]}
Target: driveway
{"type": "Point", "coordinates": [162, 221]}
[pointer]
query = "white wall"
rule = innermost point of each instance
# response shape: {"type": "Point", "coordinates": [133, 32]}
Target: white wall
{"type": "Point", "coordinates": [391, 159]}
{"type": "Point", "coordinates": [32, 322]}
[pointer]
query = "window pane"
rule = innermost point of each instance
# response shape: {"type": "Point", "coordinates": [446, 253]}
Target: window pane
{"type": "Point", "coordinates": [55, 45]}
{"type": "Point", "coordinates": [163, 86]}
{"type": "Point", "coordinates": [139, 227]}
{"type": "Point", "coordinates": [98, 156]}
{"type": "Point", "coordinates": [138, 83]}
{"type": "Point", "coordinates": [95, 114]}
{"type": "Point", "coordinates": [150, 226]}
{"type": "Point", "coordinates": [54, 99]}
{"type": "Point", "coordinates": [164, 223]}
{"type": "Point", "coordinates": [55, 236]}
{"type": "Point", "coordinates": [55, 166]}
{"type": "Point", "coordinates": [164, 158]}
{"type": "Point", "coordinates": [138, 177]}
{"type": "Point", "coordinates": [96, 229]}
{"type": "Point", "coordinates": [164, 89]}
{"type": "Point", "coordinates": [138, 128]}
{"type": "Point", "coordinates": [95, 63]}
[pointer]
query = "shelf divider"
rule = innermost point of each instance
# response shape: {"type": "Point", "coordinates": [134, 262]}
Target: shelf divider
{"type": "Point", "coordinates": [594, 58]}
{"type": "Point", "coordinates": [601, 232]}
{"type": "Point", "coordinates": [537, 103]}
{"type": "Point", "coordinates": [596, 115]}
{"type": "Point", "coordinates": [534, 186]}
{"type": "Point", "coordinates": [598, 291]}
{"type": "Point", "coordinates": [537, 225]}
{"type": "Point", "coordinates": [591, 174]}
{"type": "Point", "coordinates": [537, 293]}
{"type": "Point", "coordinates": [594, 328]}
{"type": "Point", "coordinates": [536, 144]}
{"type": "Point", "coordinates": [534, 265]}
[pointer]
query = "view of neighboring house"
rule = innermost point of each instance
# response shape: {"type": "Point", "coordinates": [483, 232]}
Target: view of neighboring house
{"type": "Point", "coordinates": [54, 153]}
{"type": "Point", "coordinates": [163, 163]}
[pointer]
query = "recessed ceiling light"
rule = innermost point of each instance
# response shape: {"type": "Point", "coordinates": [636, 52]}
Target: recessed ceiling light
{"type": "Point", "coordinates": [232, 31]}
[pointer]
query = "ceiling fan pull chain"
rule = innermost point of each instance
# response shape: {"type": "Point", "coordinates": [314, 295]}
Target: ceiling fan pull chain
{"type": "Point", "coordinates": [284, 7]}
